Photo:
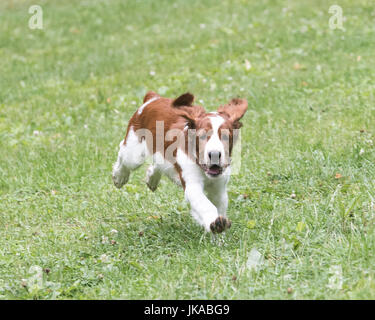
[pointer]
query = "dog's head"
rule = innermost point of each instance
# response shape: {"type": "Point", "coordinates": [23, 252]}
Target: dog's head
{"type": "Point", "coordinates": [214, 133]}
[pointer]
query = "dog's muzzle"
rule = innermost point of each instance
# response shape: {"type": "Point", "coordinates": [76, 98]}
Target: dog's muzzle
{"type": "Point", "coordinates": [214, 167]}
{"type": "Point", "coordinates": [214, 157]}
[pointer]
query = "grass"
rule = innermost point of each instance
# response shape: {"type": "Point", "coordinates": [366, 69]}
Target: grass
{"type": "Point", "coordinates": [303, 200]}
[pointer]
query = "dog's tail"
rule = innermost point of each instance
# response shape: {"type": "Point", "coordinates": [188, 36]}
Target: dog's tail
{"type": "Point", "coordinates": [149, 95]}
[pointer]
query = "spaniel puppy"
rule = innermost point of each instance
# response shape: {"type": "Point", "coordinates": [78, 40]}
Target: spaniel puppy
{"type": "Point", "coordinates": [190, 146]}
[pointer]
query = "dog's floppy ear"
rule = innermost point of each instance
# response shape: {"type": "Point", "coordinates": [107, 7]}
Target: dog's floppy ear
{"type": "Point", "coordinates": [184, 100]}
{"type": "Point", "coordinates": [234, 110]}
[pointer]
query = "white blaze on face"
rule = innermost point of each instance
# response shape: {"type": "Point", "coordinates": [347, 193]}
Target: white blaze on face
{"type": "Point", "coordinates": [214, 143]}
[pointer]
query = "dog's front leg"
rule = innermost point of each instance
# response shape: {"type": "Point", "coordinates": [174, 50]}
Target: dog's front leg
{"type": "Point", "coordinates": [203, 210]}
{"type": "Point", "coordinates": [217, 193]}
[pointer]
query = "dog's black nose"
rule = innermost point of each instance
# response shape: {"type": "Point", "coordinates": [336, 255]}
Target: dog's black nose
{"type": "Point", "coordinates": [214, 157]}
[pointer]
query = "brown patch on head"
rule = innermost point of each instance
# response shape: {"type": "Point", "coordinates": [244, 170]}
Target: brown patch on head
{"type": "Point", "coordinates": [226, 136]}
{"type": "Point", "coordinates": [204, 124]}
{"type": "Point", "coordinates": [203, 134]}
{"type": "Point", "coordinates": [198, 129]}
{"type": "Point", "coordinates": [191, 114]}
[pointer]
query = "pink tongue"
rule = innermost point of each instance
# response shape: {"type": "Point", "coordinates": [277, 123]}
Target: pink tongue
{"type": "Point", "coordinates": [214, 170]}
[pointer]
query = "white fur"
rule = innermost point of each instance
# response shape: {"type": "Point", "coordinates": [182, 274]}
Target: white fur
{"type": "Point", "coordinates": [204, 208]}
{"type": "Point", "coordinates": [153, 176]}
{"type": "Point", "coordinates": [131, 155]}
{"type": "Point", "coordinates": [214, 143]}
{"type": "Point", "coordinates": [161, 166]}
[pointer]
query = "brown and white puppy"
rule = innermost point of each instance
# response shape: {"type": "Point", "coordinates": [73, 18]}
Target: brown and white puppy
{"type": "Point", "coordinates": [193, 148]}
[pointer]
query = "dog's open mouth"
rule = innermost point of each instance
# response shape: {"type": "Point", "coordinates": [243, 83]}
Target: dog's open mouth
{"type": "Point", "coordinates": [214, 170]}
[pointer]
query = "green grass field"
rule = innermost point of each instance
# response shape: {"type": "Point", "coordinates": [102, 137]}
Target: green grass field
{"type": "Point", "coordinates": [303, 200]}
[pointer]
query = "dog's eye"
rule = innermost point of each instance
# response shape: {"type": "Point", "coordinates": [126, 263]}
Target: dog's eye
{"type": "Point", "coordinates": [203, 136]}
{"type": "Point", "coordinates": [225, 137]}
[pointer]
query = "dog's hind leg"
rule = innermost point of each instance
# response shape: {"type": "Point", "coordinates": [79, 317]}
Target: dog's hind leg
{"type": "Point", "coordinates": [120, 173]}
{"type": "Point", "coordinates": [131, 155]}
{"type": "Point", "coordinates": [153, 176]}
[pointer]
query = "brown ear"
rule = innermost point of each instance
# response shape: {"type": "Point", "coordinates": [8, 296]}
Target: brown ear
{"type": "Point", "coordinates": [235, 110]}
{"type": "Point", "coordinates": [184, 100]}
{"type": "Point", "coordinates": [149, 95]}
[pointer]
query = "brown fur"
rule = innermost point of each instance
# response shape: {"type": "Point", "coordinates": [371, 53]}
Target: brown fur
{"type": "Point", "coordinates": [178, 113]}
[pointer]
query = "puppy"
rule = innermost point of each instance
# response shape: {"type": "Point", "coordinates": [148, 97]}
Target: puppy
{"type": "Point", "coordinates": [190, 146]}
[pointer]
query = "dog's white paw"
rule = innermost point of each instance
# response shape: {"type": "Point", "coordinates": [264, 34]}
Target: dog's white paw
{"type": "Point", "coordinates": [152, 178]}
{"type": "Point", "coordinates": [120, 178]}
